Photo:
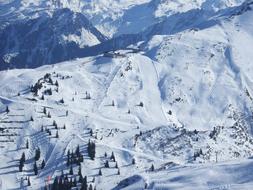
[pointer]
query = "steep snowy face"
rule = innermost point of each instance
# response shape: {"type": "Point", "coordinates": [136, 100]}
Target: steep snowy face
{"type": "Point", "coordinates": [46, 39]}
{"type": "Point", "coordinates": [200, 67]}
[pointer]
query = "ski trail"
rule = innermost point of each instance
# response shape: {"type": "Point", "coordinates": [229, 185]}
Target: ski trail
{"type": "Point", "coordinates": [150, 88]}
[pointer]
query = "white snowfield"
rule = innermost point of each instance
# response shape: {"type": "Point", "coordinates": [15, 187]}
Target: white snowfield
{"type": "Point", "coordinates": [182, 103]}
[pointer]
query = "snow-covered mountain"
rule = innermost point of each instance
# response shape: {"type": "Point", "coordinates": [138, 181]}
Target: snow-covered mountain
{"type": "Point", "coordinates": [46, 39]}
{"type": "Point", "coordinates": [173, 101]}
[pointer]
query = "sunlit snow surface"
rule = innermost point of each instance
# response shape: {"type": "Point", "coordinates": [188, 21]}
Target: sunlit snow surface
{"type": "Point", "coordinates": [190, 78]}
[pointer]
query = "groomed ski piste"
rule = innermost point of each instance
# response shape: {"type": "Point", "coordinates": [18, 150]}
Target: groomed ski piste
{"type": "Point", "coordinates": [176, 114]}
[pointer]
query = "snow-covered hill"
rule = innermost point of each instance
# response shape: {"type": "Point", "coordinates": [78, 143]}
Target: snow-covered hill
{"type": "Point", "coordinates": [176, 93]}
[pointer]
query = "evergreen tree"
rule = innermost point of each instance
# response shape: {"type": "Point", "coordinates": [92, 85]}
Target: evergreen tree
{"type": "Point", "coordinates": [91, 150]}
{"type": "Point", "coordinates": [35, 169]}
{"type": "Point", "coordinates": [80, 171]}
{"type": "Point", "coordinates": [42, 97]}
{"type": "Point", "coordinates": [23, 157]}
{"type": "Point", "coordinates": [90, 187]}
{"type": "Point", "coordinates": [116, 166]}
{"type": "Point", "coordinates": [68, 158]}
{"type": "Point", "coordinates": [77, 151]}
{"type": "Point", "coordinates": [113, 103]}
{"type": "Point", "coordinates": [133, 161]}
{"type": "Point", "coordinates": [31, 119]}
{"type": "Point", "coordinates": [48, 115]}
{"type": "Point", "coordinates": [100, 172]}
{"type": "Point", "coordinates": [67, 113]}
{"type": "Point", "coordinates": [55, 185]}
{"type": "Point", "coordinates": [112, 157]}
{"type": "Point", "coordinates": [42, 128]}
{"type": "Point", "coordinates": [28, 182]}
{"type": "Point", "coordinates": [7, 109]}
{"type": "Point", "coordinates": [91, 132]}
{"type": "Point", "coordinates": [80, 159]}
{"type": "Point", "coordinates": [152, 168]}
{"type": "Point", "coordinates": [43, 164]}
{"type": "Point", "coordinates": [21, 165]}
{"type": "Point", "coordinates": [71, 170]}
{"type": "Point", "coordinates": [45, 110]}
{"type": "Point", "coordinates": [56, 83]}
{"type": "Point", "coordinates": [64, 126]}
{"type": "Point", "coordinates": [57, 135]}
{"type": "Point", "coordinates": [118, 172]}
{"type": "Point", "coordinates": [27, 144]}
{"type": "Point", "coordinates": [81, 179]}
{"type": "Point", "coordinates": [55, 124]}
{"type": "Point", "coordinates": [37, 154]}
{"type": "Point", "coordinates": [62, 101]}
{"type": "Point", "coordinates": [107, 164]}
{"type": "Point", "coordinates": [105, 155]}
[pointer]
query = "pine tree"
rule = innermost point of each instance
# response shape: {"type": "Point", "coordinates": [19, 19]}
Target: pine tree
{"type": "Point", "coordinates": [7, 109]}
{"type": "Point", "coordinates": [80, 171]}
{"type": "Point", "coordinates": [100, 172]}
{"type": "Point", "coordinates": [23, 157]}
{"type": "Point", "coordinates": [43, 164]}
{"type": "Point", "coordinates": [67, 113]}
{"type": "Point", "coordinates": [28, 182]}
{"type": "Point", "coordinates": [152, 168]}
{"type": "Point", "coordinates": [68, 158]}
{"type": "Point", "coordinates": [116, 166]}
{"type": "Point", "coordinates": [31, 119]}
{"type": "Point", "coordinates": [64, 126]}
{"type": "Point", "coordinates": [48, 115]}
{"type": "Point", "coordinates": [57, 135]}
{"type": "Point", "coordinates": [27, 144]}
{"type": "Point", "coordinates": [45, 110]}
{"type": "Point", "coordinates": [37, 154]}
{"type": "Point", "coordinates": [90, 187]}
{"type": "Point", "coordinates": [91, 150]}
{"type": "Point", "coordinates": [35, 169]}
{"type": "Point", "coordinates": [133, 161]}
{"type": "Point", "coordinates": [107, 164]}
{"type": "Point", "coordinates": [55, 185]}
{"type": "Point", "coordinates": [105, 155]}
{"type": "Point", "coordinates": [113, 103]}
{"type": "Point", "coordinates": [112, 157]}
{"type": "Point", "coordinates": [21, 163]}
{"type": "Point", "coordinates": [118, 172]}
{"type": "Point", "coordinates": [42, 128]}
{"type": "Point", "coordinates": [71, 170]}
{"type": "Point", "coordinates": [55, 124]}
{"type": "Point", "coordinates": [56, 83]}
{"type": "Point", "coordinates": [42, 97]}
{"type": "Point", "coordinates": [81, 178]}
{"type": "Point", "coordinates": [62, 101]}
{"type": "Point", "coordinates": [91, 132]}
{"type": "Point", "coordinates": [128, 112]}
{"type": "Point", "coordinates": [77, 151]}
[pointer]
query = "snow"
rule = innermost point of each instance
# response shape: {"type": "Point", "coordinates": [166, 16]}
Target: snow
{"type": "Point", "coordinates": [194, 80]}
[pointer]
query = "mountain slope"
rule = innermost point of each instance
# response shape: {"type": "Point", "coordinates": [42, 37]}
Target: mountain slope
{"type": "Point", "coordinates": [46, 39]}
{"type": "Point", "coordinates": [176, 93]}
